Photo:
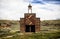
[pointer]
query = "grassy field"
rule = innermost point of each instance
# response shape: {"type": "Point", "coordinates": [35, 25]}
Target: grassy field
{"type": "Point", "coordinates": [40, 35]}
{"type": "Point", "coordinates": [50, 29]}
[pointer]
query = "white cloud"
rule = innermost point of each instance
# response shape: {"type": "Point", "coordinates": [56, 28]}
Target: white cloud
{"type": "Point", "coordinates": [14, 9]}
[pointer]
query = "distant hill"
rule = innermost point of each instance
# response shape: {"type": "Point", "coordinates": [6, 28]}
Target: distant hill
{"type": "Point", "coordinates": [15, 25]}
{"type": "Point", "coordinates": [14, 22]}
{"type": "Point", "coordinates": [50, 22]}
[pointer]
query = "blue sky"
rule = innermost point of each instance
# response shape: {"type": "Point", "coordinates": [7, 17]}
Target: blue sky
{"type": "Point", "coordinates": [15, 9]}
{"type": "Point", "coordinates": [46, 1]}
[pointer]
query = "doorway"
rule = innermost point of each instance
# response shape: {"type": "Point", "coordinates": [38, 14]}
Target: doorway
{"type": "Point", "coordinates": [30, 28]}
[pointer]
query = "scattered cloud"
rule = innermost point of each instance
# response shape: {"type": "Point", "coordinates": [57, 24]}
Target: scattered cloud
{"type": "Point", "coordinates": [52, 1]}
{"type": "Point", "coordinates": [38, 1]}
{"type": "Point", "coordinates": [46, 1]}
{"type": "Point", "coordinates": [15, 9]}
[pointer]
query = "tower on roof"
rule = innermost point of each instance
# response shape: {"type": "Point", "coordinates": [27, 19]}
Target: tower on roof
{"type": "Point", "coordinates": [29, 8]}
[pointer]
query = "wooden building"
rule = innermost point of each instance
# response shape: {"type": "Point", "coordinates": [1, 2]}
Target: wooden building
{"type": "Point", "coordinates": [29, 23]}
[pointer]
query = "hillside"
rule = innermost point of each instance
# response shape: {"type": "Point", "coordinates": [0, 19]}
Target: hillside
{"type": "Point", "coordinates": [50, 29]}
{"type": "Point", "coordinates": [14, 24]}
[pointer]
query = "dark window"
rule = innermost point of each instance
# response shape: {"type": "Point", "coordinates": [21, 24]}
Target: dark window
{"type": "Point", "coordinates": [30, 28]}
{"type": "Point", "coordinates": [0, 24]}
